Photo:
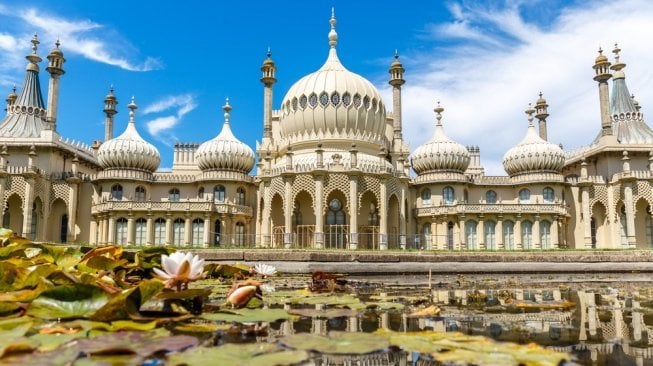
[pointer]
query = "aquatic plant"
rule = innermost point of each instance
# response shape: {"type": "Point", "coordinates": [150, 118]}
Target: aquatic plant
{"type": "Point", "coordinates": [179, 269]}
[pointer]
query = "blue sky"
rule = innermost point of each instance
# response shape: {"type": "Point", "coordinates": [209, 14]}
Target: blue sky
{"type": "Point", "coordinates": [483, 60]}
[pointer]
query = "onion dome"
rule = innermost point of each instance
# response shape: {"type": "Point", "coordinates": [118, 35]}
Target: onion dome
{"type": "Point", "coordinates": [129, 150]}
{"type": "Point", "coordinates": [225, 151]}
{"type": "Point", "coordinates": [26, 114]}
{"type": "Point", "coordinates": [333, 100]}
{"type": "Point", "coordinates": [533, 154]}
{"type": "Point", "coordinates": [440, 153]}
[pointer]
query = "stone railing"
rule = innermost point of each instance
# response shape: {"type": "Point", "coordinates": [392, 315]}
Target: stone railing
{"type": "Point", "coordinates": [459, 209]}
{"type": "Point", "coordinates": [170, 206]}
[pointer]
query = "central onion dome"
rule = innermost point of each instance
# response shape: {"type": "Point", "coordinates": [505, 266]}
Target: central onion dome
{"type": "Point", "coordinates": [225, 151]}
{"type": "Point", "coordinates": [440, 153]}
{"type": "Point", "coordinates": [333, 100]}
{"type": "Point", "coordinates": [533, 154]}
{"type": "Point", "coordinates": [129, 150]}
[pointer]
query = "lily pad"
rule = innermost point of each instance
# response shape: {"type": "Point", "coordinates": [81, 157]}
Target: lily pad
{"type": "Point", "coordinates": [337, 343]}
{"type": "Point", "coordinates": [249, 315]}
{"type": "Point", "coordinates": [58, 357]}
{"type": "Point", "coordinates": [256, 354]}
{"type": "Point", "coordinates": [143, 344]}
{"type": "Point", "coordinates": [128, 303]}
{"type": "Point", "coordinates": [68, 302]}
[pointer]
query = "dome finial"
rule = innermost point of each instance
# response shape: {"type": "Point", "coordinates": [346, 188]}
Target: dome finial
{"type": "Point", "coordinates": [529, 110]}
{"type": "Point", "coordinates": [618, 65]}
{"type": "Point", "coordinates": [616, 51]}
{"type": "Point", "coordinates": [333, 36]}
{"type": "Point", "coordinates": [438, 113]}
{"type": "Point", "coordinates": [396, 54]}
{"type": "Point", "coordinates": [132, 110]}
{"type": "Point", "coordinates": [227, 108]}
{"type": "Point", "coordinates": [269, 54]}
{"type": "Point", "coordinates": [35, 43]}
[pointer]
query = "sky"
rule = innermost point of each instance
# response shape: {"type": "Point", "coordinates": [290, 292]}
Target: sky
{"type": "Point", "coordinates": [483, 60]}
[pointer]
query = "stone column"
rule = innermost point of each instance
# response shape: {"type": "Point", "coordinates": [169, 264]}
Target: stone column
{"type": "Point", "coordinates": [461, 235]}
{"type": "Point", "coordinates": [518, 241]}
{"type": "Point", "coordinates": [188, 230]}
{"type": "Point", "coordinates": [353, 212]}
{"type": "Point", "coordinates": [27, 207]}
{"type": "Point", "coordinates": [266, 223]}
{"type": "Point", "coordinates": [499, 234]}
{"type": "Point", "coordinates": [111, 237]}
{"type": "Point", "coordinates": [131, 231]}
{"type": "Point", "coordinates": [168, 230]}
{"type": "Point", "coordinates": [206, 240]}
{"type": "Point", "coordinates": [536, 233]}
{"type": "Point", "coordinates": [288, 205]}
{"type": "Point", "coordinates": [555, 243]}
{"type": "Point", "coordinates": [319, 212]}
{"type": "Point", "coordinates": [149, 230]}
{"type": "Point", "coordinates": [402, 218]}
{"type": "Point", "coordinates": [72, 211]}
{"type": "Point", "coordinates": [481, 234]}
{"type": "Point", "coordinates": [93, 239]}
{"type": "Point", "coordinates": [630, 214]}
{"type": "Point", "coordinates": [383, 216]}
{"type": "Point", "coordinates": [433, 244]}
{"type": "Point", "coordinates": [585, 210]}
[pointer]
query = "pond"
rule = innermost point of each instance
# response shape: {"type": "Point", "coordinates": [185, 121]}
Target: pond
{"type": "Point", "coordinates": [61, 306]}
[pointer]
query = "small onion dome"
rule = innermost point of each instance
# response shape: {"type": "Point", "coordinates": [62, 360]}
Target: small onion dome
{"type": "Point", "coordinates": [225, 151]}
{"type": "Point", "coordinates": [56, 51]}
{"type": "Point", "coordinates": [129, 150]}
{"type": "Point", "coordinates": [601, 57]}
{"type": "Point", "coordinates": [440, 153]}
{"type": "Point", "coordinates": [533, 154]}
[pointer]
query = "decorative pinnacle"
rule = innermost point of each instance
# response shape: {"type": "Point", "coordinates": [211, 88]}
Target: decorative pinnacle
{"type": "Point", "coordinates": [57, 43]}
{"type": "Point", "coordinates": [227, 108]}
{"type": "Point", "coordinates": [529, 110]}
{"type": "Point", "coordinates": [269, 54]}
{"type": "Point", "coordinates": [438, 113]}
{"type": "Point", "coordinates": [396, 54]}
{"type": "Point", "coordinates": [616, 51]}
{"type": "Point", "coordinates": [132, 109]}
{"type": "Point", "coordinates": [333, 36]}
{"type": "Point", "coordinates": [35, 43]}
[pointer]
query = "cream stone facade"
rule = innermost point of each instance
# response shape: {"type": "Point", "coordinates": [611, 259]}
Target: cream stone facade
{"type": "Point", "coordinates": [332, 170]}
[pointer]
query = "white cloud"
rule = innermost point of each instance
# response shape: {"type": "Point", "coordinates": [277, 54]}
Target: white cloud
{"type": "Point", "coordinates": [486, 81]}
{"type": "Point", "coordinates": [179, 104]}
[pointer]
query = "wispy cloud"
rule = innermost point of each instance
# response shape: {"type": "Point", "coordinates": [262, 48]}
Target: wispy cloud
{"type": "Point", "coordinates": [500, 61]}
{"type": "Point", "coordinates": [176, 106]}
{"type": "Point", "coordinates": [83, 37]}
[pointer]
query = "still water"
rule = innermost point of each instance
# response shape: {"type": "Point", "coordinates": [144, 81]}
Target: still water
{"type": "Point", "coordinates": [602, 319]}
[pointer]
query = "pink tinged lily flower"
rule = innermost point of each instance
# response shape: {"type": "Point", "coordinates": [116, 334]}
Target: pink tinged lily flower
{"type": "Point", "coordinates": [180, 268]}
{"type": "Point", "coordinates": [241, 296]}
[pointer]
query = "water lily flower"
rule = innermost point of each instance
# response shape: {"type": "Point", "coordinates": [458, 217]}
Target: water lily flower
{"type": "Point", "coordinates": [265, 270]}
{"type": "Point", "coordinates": [241, 296]}
{"type": "Point", "coordinates": [180, 268]}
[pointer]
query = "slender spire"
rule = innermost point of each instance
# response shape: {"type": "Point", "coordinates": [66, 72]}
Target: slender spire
{"type": "Point", "coordinates": [110, 103]}
{"type": "Point", "coordinates": [438, 114]}
{"type": "Point", "coordinates": [132, 110]}
{"type": "Point", "coordinates": [333, 36]}
{"type": "Point", "coordinates": [529, 111]}
{"type": "Point", "coordinates": [227, 109]}
{"type": "Point", "coordinates": [541, 113]}
{"type": "Point", "coordinates": [33, 58]}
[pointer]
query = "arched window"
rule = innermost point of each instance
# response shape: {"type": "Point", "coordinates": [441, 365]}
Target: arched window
{"type": "Point", "coordinates": [527, 235]}
{"type": "Point", "coordinates": [524, 196]}
{"type": "Point", "coordinates": [488, 228]}
{"type": "Point", "coordinates": [297, 215]}
{"type": "Point", "coordinates": [448, 195]}
{"type": "Point", "coordinates": [470, 234]}
{"type": "Point", "coordinates": [116, 192]}
{"type": "Point", "coordinates": [198, 232]}
{"type": "Point", "coordinates": [217, 229]}
{"type": "Point", "coordinates": [450, 235]}
{"type": "Point", "coordinates": [336, 215]}
{"type": "Point", "coordinates": [240, 196]}
{"type": "Point", "coordinates": [490, 197]}
{"type": "Point", "coordinates": [139, 194]}
{"type": "Point", "coordinates": [178, 232]}
{"type": "Point", "coordinates": [426, 197]}
{"type": "Point", "coordinates": [240, 234]}
{"type": "Point", "coordinates": [141, 231]}
{"type": "Point", "coordinates": [219, 194]}
{"type": "Point", "coordinates": [545, 234]}
{"type": "Point", "coordinates": [159, 231]}
{"type": "Point", "coordinates": [173, 195]}
{"type": "Point", "coordinates": [34, 224]}
{"type": "Point", "coordinates": [593, 231]}
{"type": "Point", "coordinates": [373, 219]}
{"type": "Point", "coordinates": [509, 235]}
{"type": "Point", "coordinates": [64, 229]}
{"type": "Point", "coordinates": [548, 195]}
{"type": "Point", "coordinates": [200, 193]}
{"type": "Point", "coordinates": [121, 231]}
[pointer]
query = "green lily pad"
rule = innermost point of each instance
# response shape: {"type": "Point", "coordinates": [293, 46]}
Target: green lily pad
{"type": "Point", "coordinates": [13, 276]}
{"type": "Point", "coordinates": [58, 357]}
{"type": "Point", "coordinates": [337, 343]}
{"type": "Point", "coordinates": [68, 302]}
{"type": "Point", "coordinates": [14, 340]}
{"type": "Point", "coordinates": [25, 295]}
{"type": "Point", "coordinates": [256, 354]}
{"type": "Point", "coordinates": [128, 303]}
{"type": "Point", "coordinates": [110, 360]}
{"type": "Point", "coordinates": [7, 308]}
{"type": "Point", "coordinates": [307, 298]}
{"type": "Point", "coordinates": [50, 342]}
{"type": "Point", "coordinates": [249, 315]}
{"type": "Point", "coordinates": [143, 344]}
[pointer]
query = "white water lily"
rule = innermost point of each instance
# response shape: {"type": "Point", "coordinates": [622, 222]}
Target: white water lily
{"type": "Point", "coordinates": [180, 268]}
{"type": "Point", "coordinates": [265, 270]}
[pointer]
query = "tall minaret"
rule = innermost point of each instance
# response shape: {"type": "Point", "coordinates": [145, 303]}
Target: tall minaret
{"type": "Point", "coordinates": [11, 98]}
{"type": "Point", "coordinates": [110, 103]}
{"type": "Point", "coordinates": [55, 68]}
{"type": "Point", "coordinates": [602, 75]}
{"type": "Point", "coordinates": [541, 113]}
{"type": "Point", "coordinates": [396, 80]}
{"type": "Point", "coordinates": [268, 80]}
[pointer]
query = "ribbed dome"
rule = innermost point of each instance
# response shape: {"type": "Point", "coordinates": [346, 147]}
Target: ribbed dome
{"type": "Point", "coordinates": [333, 99]}
{"type": "Point", "coordinates": [533, 154]}
{"type": "Point", "coordinates": [225, 151]}
{"type": "Point", "coordinates": [440, 153]}
{"type": "Point", "coordinates": [129, 150]}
